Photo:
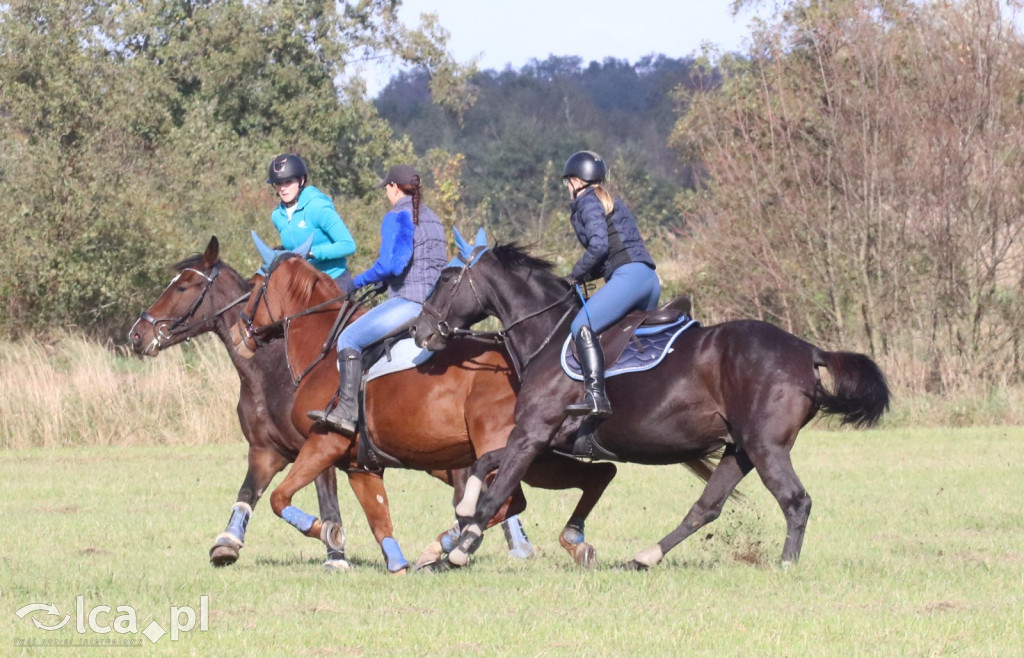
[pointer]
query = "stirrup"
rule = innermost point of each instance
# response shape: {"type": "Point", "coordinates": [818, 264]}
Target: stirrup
{"type": "Point", "coordinates": [590, 406]}
{"type": "Point", "coordinates": [335, 421]}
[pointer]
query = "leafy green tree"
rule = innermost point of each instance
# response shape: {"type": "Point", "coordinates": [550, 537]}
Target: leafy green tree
{"type": "Point", "coordinates": [131, 132]}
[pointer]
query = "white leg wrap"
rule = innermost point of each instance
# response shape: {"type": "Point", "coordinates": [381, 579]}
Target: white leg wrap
{"type": "Point", "coordinates": [467, 506]}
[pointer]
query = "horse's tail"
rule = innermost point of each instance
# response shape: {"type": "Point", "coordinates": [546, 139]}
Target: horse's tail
{"type": "Point", "coordinates": [859, 395]}
{"type": "Point", "coordinates": [704, 466]}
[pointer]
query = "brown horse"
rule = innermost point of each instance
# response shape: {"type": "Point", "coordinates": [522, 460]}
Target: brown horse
{"type": "Point", "coordinates": [745, 386]}
{"type": "Point", "coordinates": [206, 296]}
{"type": "Point", "coordinates": [442, 414]}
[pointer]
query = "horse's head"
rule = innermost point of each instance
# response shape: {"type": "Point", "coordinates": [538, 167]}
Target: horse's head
{"type": "Point", "coordinates": [504, 282]}
{"type": "Point", "coordinates": [453, 302]}
{"type": "Point", "coordinates": [284, 286]}
{"type": "Point", "coordinates": [184, 309]}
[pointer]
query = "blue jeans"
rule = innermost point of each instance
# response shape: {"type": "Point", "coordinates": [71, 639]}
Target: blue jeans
{"type": "Point", "coordinates": [377, 323]}
{"type": "Point", "coordinates": [634, 286]}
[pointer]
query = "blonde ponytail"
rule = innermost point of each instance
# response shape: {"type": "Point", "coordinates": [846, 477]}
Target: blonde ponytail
{"type": "Point", "coordinates": [606, 199]}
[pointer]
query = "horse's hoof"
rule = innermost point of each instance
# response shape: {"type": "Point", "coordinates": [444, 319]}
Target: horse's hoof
{"type": "Point", "coordinates": [333, 566]}
{"type": "Point", "coordinates": [425, 564]}
{"type": "Point", "coordinates": [633, 565]}
{"type": "Point", "coordinates": [438, 567]}
{"type": "Point", "coordinates": [333, 535]}
{"type": "Point", "coordinates": [522, 552]}
{"type": "Point", "coordinates": [399, 572]}
{"type": "Point", "coordinates": [223, 556]}
{"type": "Point", "coordinates": [585, 555]}
{"type": "Point", "coordinates": [430, 555]}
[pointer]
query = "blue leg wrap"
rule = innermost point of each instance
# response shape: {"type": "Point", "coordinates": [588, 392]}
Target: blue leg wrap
{"type": "Point", "coordinates": [449, 539]}
{"type": "Point", "coordinates": [298, 518]}
{"type": "Point", "coordinates": [393, 554]}
{"type": "Point", "coordinates": [573, 532]}
{"type": "Point", "coordinates": [518, 543]}
{"type": "Point", "coordinates": [239, 522]}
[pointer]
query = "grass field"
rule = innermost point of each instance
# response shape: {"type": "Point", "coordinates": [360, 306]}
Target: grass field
{"type": "Point", "coordinates": [915, 547]}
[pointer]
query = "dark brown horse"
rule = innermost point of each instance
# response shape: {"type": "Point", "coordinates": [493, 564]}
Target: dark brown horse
{"type": "Point", "coordinates": [442, 414]}
{"type": "Point", "coordinates": [745, 386]}
{"type": "Point", "coordinates": [207, 295]}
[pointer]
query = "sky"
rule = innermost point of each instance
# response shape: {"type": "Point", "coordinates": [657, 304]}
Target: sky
{"type": "Point", "coordinates": [513, 33]}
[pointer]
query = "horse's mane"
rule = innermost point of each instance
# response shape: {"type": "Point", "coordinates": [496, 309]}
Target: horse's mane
{"type": "Point", "coordinates": [511, 254]}
{"type": "Point", "coordinates": [303, 279]}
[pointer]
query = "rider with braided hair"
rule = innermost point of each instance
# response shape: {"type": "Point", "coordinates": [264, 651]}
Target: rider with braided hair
{"type": "Point", "coordinates": [412, 255]}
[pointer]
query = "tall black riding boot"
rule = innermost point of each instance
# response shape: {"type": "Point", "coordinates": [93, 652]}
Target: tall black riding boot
{"type": "Point", "coordinates": [595, 402]}
{"type": "Point", "coordinates": [345, 416]}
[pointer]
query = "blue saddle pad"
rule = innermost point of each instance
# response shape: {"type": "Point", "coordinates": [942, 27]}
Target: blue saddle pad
{"type": "Point", "coordinates": [646, 349]}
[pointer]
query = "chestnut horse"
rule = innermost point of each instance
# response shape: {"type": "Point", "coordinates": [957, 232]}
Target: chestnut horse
{"type": "Point", "coordinates": [442, 414]}
{"type": "Point", "coordinates": [206, 296]}
{"type": "Point", "coordinates": [745, 386]}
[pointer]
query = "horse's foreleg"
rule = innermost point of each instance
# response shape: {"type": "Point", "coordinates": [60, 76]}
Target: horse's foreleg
{"type": "Point", "coordinates": [327, 495]}
{"type": "Point", "coordinates": [369, 490]}
{"type": "Point", "coordinates": [511, 465]}
{"type": "Point", "coordinates": [557, 472]}
{"type": "Point", "coordinates": [318, 454]}
{"type": "Point", "coordinates": [263, 466]}
{"type": "Point", "coordinates": [730, 470]}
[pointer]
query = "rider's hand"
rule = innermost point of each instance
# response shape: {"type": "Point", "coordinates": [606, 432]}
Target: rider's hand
{"type": "Point", "coordinates": [571, 280]}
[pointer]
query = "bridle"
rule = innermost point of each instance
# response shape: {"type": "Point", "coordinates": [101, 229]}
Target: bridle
{"type": "Point", "coordinates": [253, 337]}
{"type": "Point", "coordinates": [167, 328]}
{"type": "Point", "coordinates": [504, 335]}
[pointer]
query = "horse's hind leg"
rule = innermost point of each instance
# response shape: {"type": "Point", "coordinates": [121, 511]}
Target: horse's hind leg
{"type": "Point", "coordinates": [556, 473]}
{"type": "Point", "coordinates": [263, 466]}
{"type": "Point", "coordinates": [776, 471]}
{"type": "Point", "coordinates": [733, 466]}
{"type": "Point", "coordinates": [369, 490]}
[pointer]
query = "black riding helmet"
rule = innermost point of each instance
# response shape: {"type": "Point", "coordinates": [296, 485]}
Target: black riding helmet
{"type": "Point", "coordinates": [286, 166]}
{"type": "Point", "coordinates": [587, 166]}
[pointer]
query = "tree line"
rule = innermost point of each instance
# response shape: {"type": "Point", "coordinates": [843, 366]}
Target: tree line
{"type": "Point", "coordinates": [854, 176]}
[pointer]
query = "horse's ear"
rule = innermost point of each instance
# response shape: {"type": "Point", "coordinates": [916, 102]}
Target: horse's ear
{"type": "Point", "coordinates": [212, 252]}
{"type": "Point", "coordinates": [304, 248]}
{"type": "Point", "coordinates": [481, 238]}
{"type": "Point", "coordinates": [266, 253]}
{"type": "Point", "coordinates": [465, 249]}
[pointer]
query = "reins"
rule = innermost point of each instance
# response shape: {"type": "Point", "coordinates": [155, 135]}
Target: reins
{"type": "Point", "coordinates": [504, 334]}
{"type": "Point", "coordinates": [258, 335]}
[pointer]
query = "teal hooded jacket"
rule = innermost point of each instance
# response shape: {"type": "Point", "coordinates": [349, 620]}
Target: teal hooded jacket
{"type": "Point", "coordinates": [315, 215]}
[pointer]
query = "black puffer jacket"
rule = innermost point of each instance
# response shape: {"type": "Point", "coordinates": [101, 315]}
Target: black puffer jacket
{"type": "Point", "coordinates": [604, 253]}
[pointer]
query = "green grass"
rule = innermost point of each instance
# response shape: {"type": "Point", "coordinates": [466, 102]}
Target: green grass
{"type": "Point", "coordinates": [915, 547]}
